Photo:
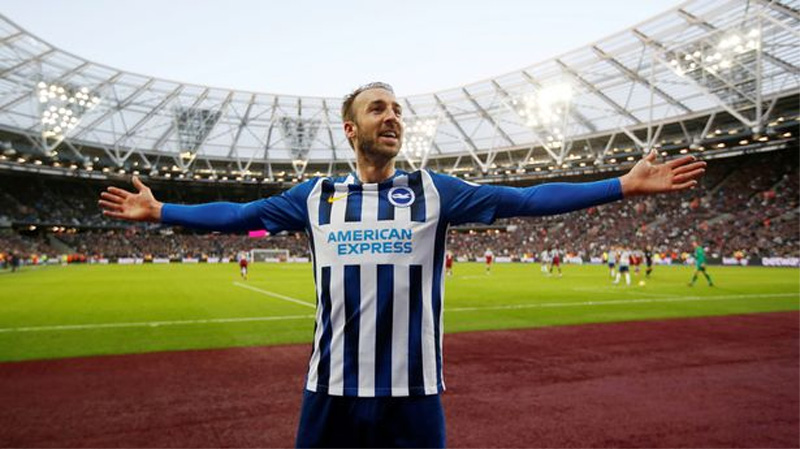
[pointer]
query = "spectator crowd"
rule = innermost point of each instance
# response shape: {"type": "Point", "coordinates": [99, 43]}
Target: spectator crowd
{"type": "Point", "coordinates": [746, 205]}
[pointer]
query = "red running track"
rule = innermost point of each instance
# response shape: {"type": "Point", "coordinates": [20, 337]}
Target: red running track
{"type": "Point", "coordinates": [701, 382]}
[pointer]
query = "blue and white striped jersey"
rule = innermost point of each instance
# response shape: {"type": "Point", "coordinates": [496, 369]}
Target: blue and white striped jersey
{"type": "Point", "coordinates": [378, 253]}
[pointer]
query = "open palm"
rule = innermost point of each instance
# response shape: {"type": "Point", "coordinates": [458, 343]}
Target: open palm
{"type": "Point", "coordinates": [648, 177]}
{"type": "Point", "coordinates": [121, 204]}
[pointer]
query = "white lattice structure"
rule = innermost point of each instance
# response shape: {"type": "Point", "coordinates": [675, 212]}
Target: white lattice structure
{"type": "Point", "coordinates": [666, 82]}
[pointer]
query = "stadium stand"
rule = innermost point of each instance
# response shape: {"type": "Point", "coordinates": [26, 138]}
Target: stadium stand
{"type": "Point", "coordinates": [746, 203]}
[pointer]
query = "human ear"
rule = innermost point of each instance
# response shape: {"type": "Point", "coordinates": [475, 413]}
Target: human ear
{"type": "Point", "coordinates": [349, 129]}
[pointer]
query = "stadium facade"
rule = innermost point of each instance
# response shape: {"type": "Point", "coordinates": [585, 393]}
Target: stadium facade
{"type": "Point", "coordinates": [716, 79]}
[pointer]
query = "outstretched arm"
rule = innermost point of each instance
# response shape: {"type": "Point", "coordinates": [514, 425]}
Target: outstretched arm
{"type": "Point", "coordinates": [467, 202]}
{"type": "Point", "coordinates": [142, 206]}
{"type": "Point", "coordinates": [645, 178]}
{"type": "Point", "coordinates": [286, 211]}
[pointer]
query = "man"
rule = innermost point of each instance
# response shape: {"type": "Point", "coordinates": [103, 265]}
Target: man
{"type": "Point", "coordinates": [489, 257]}
{"type": "Point", "coordinates": [375, 373]}
{"type": "Point", "coordinates": [545, 261]}
{"type": "Point", "coordinates": [700, 264]}
{"type": "Point", "coordinates": [243, 266]}
{"type": "Point", "coordinates": [648, 260]}
{"type": "Point", "coordinates": [624, 266]}
{"type": "Point", "coordinates": [555, 261]}
{"type": "Point", "coordinates": [448, 263]}
{"type": "Point", "coordinates": [612, 262]}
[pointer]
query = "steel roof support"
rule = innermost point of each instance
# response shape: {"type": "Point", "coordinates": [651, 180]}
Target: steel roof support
{"type": "Point", "coordinates": [633, 76]}
{"type": "Point", "coordinates": [471, 148]}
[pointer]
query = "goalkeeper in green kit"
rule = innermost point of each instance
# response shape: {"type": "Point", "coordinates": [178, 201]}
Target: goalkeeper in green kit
{"type": "Point", "coordinates": [700, 264]}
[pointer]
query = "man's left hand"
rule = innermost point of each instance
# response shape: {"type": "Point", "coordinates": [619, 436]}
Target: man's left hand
{"type": "Point", "coordinates": [648, 177]}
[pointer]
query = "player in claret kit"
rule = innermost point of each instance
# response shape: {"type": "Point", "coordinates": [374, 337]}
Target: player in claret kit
{"type": "Point", "coordinates": [448, 263]}
{"type": "Point", "coordinates": [243, 266]}
{"type": "Point", "coordinates": [555, 261]}
{"type": "Point", "coordinates": [489, 258]}
{"type": "Point", "coordinates": [375, 373]}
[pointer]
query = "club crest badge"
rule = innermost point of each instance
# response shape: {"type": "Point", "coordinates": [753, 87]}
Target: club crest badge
{"type": "Point", "coordinates": [401, 196]}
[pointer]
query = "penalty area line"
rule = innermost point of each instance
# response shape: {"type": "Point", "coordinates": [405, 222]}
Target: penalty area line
{"type": "Point", "coordinates": [276, 295]}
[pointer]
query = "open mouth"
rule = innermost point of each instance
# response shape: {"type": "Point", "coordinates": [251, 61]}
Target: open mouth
{"type": "Point", "coordinates": [389, 136]}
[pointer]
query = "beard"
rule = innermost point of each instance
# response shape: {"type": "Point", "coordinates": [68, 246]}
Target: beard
{"type": "Point", "coordinates": [370, 147]}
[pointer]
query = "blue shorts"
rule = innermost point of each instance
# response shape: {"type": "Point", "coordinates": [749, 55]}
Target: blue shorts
{"type": "Point", "coordinates": [624, 268]}
{"type": "Point", "coordinates": [337, 421]}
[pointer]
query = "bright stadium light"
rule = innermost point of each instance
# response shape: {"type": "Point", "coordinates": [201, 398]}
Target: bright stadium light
{"type": "Point", "coordinates": [418, 139]}
{"type": "Point", "coordinates": [724, 64]}
{"type": "Point", "coordinates": [733, 48]}
{"type": "Point", "coordinates": [546, 112]}
{"type": "Point", "coordinates": [61, 108]}
{"type": "Point", "coordinates": [545, 107]}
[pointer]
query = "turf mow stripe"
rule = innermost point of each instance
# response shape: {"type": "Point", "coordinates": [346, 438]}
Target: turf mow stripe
{"type": "Point", "coordinates": [624, 301]}
{"type": "Point", "coordinates": [72, 327]}
{"type": "Point", "coordinates": [452, 309]}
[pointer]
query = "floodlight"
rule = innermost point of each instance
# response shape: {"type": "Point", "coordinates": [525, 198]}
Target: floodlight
{"type": "Point", "coordinates": [59, 113]}
{"type": "Point", "coordinates": [419, 134]}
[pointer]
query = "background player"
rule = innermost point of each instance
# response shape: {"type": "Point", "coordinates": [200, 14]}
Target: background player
{"type": "Point", "coordinates": [612, 262]}
{"type": "Point", "coordinates": [648, 261]}
{"type": "Point", "coordinates": [624, 263]}
{"type": "Point", "coordinates": [489, 256]}
{"type": "Point", "coordinates": [243, 266]}
{"type": "Point", "coordinates": [545, 262]}
{"type": "Point", "coordinates": [555, 261]}
{"type": "Point", "coordinates": [700, 264]}
{"type": "Point", "coordinates": [448, 263]}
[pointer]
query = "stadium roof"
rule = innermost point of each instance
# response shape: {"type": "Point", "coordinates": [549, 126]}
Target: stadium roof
{"type": "Point", "coordinates": [737, 57]}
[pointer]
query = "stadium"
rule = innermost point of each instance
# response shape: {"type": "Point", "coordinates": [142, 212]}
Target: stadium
{"type": "Point", "coordinates": [115, 333]}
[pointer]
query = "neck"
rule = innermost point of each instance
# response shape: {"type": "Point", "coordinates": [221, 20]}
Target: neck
{"type": "Point", "coordinates": [374, 170]}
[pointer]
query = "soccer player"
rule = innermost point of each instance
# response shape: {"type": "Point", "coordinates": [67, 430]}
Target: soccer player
{"type": "Point", "coordinates": [243, 266]}
{"type": "Point", "coordinates": [648, 260]}
{"type": "Point", "coordinates": [375, 373]}
{"type": "Point", "coordinates": [624, 266]}
{"type": "Point", "coordinates": [448, 263]}
{"type": "Point", "coordinates": [489, 256]}
{"type": "Point", "coordinates": [545, 262]}
{"type": "Point", "coordinates": [612, 262]}
{"type": "Point", "coordinates": [555, 261]}
{"type": "Point", "coordinates": [700, 264]}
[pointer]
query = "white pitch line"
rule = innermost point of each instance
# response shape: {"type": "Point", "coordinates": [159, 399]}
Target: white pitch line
{"type": "Point", "coordinates": [72, 327]}
{"type": "Point", "coordinates": [276, 295]}
{"type": "Point", "coordinates": [452, 309]}
{"type": "Point", "coordinates": [621, 301]}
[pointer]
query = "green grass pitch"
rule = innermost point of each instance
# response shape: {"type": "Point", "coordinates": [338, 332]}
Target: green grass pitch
{"type": "Point", "coordinates": [55, 312]}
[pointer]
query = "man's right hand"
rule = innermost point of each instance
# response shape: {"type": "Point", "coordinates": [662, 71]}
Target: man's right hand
{"type": "Point", "coordinates": [124, 205]}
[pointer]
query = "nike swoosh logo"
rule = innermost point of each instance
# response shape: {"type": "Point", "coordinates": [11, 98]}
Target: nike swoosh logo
{"type": "Point", "coordinates": [331, 199]}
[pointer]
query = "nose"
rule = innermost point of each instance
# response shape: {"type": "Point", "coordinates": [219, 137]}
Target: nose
{"type": "Point", "coordinates": [392, 116]}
